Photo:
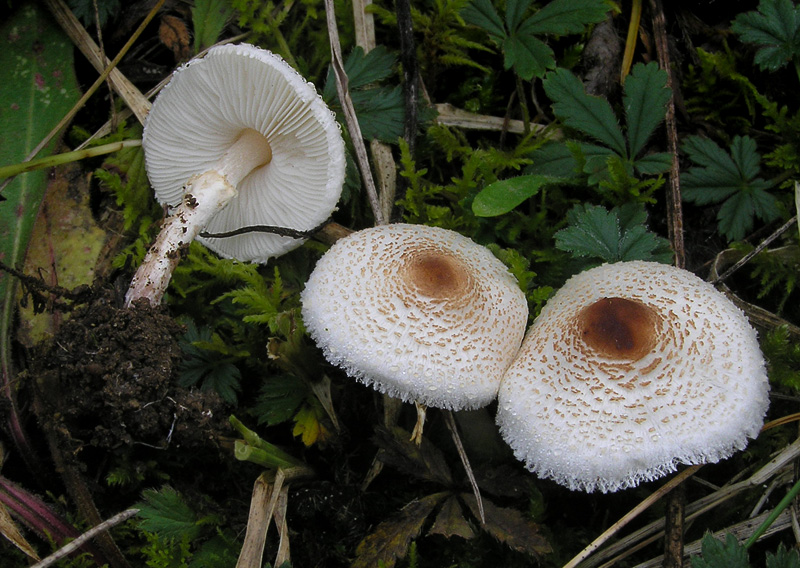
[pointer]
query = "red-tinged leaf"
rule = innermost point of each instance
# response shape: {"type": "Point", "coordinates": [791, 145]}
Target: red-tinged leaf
{"type": "Point", "coordinates": [450, 521]}
{"type": "Point", "coordinates": [510, 527]}
{"type": "Point", "coordinates": [391, 538]}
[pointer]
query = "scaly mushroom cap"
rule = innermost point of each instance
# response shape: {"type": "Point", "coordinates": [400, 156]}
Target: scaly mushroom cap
{"type": "Point", "coordinates": [630, 369]}
{"type": "Point", "coordinates": [420, 313]}
{"type": "Point", "coordinates": [236, 91]}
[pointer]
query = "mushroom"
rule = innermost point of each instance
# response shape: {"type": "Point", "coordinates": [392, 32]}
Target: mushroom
{"type": "Point", "coordinates": [420, 313]}
{"type": "Point", "coordinates": [630, 369]}
{"type": "Point", "coordinates": [237, 139]}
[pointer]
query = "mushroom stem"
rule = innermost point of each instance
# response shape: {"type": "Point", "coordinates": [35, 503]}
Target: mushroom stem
{"type": "Point", "coordinates": [250, 151]}
{"type": "Point", "coordinates": [205, 195]}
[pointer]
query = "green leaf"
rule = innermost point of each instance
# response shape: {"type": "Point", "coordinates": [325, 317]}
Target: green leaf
{"type": "Point", "coordinates": [562, 17]}
{"type": "Point", "coordinates": [208, 361]}
{"type": "Point", "coordinates": [611, 236]}
{"type": "Point", "coordinates": [502, 196]}
{"type": "Point", "coordinates": [515, 10]}
{"type": "Point", "coordinates": [553, 159]}
{"type": "Point", "coordinates": [776, 27]}
{"type": "Point", "coordinates": [278, 400]}
{"type": "Point", "coordinates": [527, 55]}
{"type": "Point", "coordinates": [84, 10]}
{"type": "Point", "coordinates": [165, 513]}
{"type": "Point", "coordinates": [783, 558]}
{"type": "Point", "coordinates": [589, 114]}
{"type": "Point", "coordinates": [645, 100]}
{"type": "Point", "coordinates": [718, 554]}
{"type": "Point", "coordinates": [730, 179]}
{"type": "Point", "coordinates": [209, 18]}
{"type": "Point", "coordinates": [38, 88]}
{"type": "Point", "coordinates": [482, 13]}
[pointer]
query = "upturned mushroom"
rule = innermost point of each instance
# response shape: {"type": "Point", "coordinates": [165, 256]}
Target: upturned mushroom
{"type": "Point", "coordinates": [420, 313]}
{"type": "Point", "coordinates": [631, 369]}
{"type": "Point", "coordinates": [237, 139]}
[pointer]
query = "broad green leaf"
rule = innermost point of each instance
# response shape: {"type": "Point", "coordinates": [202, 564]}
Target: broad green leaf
{"type": "Point", "coordinates": [209, 17]}
{"type": "Point", "coordinates": [783, 558]}
{"type": "Point", "coordinates": [38, 88]}
{"type": "Point", "coordinates": [645, 100]}
{"type": "Point", "coordinates": [502, 196]}
{"type": "Point", "coordinates": [279, 398]}
{"type": "Point", "coordinates": [775, 27]}
{"type": "Point", "coordinates": [589, 114]}
{"type": "Point", "coordinates": [562, 17]}
{"type": "Point", "coordinates": [482, 13]}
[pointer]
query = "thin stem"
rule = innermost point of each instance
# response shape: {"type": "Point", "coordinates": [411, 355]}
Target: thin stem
{"type": "Point", "coordinates": [66, 158]}
{"type": "Point", "coordinates": [785, 502]}
{"type": "Point", "coordinates": [350, 114]}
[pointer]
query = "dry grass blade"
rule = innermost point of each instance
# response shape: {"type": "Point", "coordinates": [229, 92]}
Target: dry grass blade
{"type": "Point", "coordinates": [350, 114]}
{"type": "Point", "coordinates": [451, 425]}
{"type": "Point", "coordinates": [132, 96]}
{"type": "Point", "coordinates": [9, 529]}
{"type": "Point", "coordinates": [262, 508]}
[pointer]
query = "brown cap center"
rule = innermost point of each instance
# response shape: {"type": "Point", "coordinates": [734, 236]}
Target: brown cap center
{"type": "Point", "coordinates": [619, 328]}
{"type": "Point", "coordinates": [437, 275]}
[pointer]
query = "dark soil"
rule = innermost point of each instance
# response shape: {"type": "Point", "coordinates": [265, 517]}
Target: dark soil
{"type": "Point", "coordinates": [106, 380]}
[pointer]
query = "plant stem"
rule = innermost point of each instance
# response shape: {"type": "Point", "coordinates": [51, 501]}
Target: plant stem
{"type": "Point", "coordinates": [66, 158]}
{"type": "Point", "coordinates": [785, 502]}
{"type": "Point", "coordinates": [257, 450]}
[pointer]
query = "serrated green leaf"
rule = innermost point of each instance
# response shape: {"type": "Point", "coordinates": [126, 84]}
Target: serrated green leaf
{"type": "Point", "coordinates": [482, 13]}
{"type": "Point", "coordinates": [730, 179]}
{"type": "Point", "coordinates": [381, 113]}
{"type": "Point", "coordinates": [515, 10]}
{"type": "Point", "coordinates": [645, 100]}
{"type": "Point", "coordinates": [502, 196]}
{"type": "Point", "coordinates": [527, 55]}
{"type": "Point", "coordinates": [589, 114]}
{"type": "Point", "coordinates": [208, 361]}
{"type": "Point", "coordinates": [783, 558]}
{"type": "Point", "coordinates": [774, 26]}
{"type": "Point", "coordinates": [209, 18]}
{"type": "Point", "coordinates": [165, 513]}
{"type": "Point", "coordinates": [562, 17]}
{"type": "Point", "coordinates": [718, 554]}
{"type": "Point", "coordinates": [611, 236]}
{"type": "Point", "coordinates": [553, 159]}
{"type": "Point", "coordinates": [278, 400]}
{"type": "Point", "coordinates": [653, 164]}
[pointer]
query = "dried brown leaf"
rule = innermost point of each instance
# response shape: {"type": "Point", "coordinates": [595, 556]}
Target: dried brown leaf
{"type": "Point", "coordinates": [174, 34]}
{"type": "Point", "coordinates": [391, 538]}
{"type": "Point", "coordinates": [450, 521]}
{"type": "Point", "coordinates": [510, 526]}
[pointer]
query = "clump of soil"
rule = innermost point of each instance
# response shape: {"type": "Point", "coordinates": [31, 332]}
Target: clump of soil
{"type": "Point", "coordinates": [107, 381]}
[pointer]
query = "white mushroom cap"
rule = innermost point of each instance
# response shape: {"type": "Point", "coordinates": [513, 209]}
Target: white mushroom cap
{"type": "Point", "coordinates": [420, 313]}
{"type": "Point", "coordinates": [208, 105]}
{"type": "Point", "coordinates": [630, 369]}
